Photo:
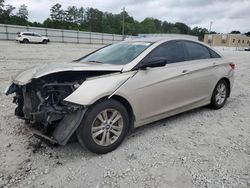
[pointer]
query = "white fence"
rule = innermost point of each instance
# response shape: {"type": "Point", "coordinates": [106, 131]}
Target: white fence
{"type": "Point", "coordinates": [8, 32]}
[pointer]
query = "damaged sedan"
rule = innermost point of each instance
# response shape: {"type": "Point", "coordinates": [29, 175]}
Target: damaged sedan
{"type": "Point", "coordinates": [104, 94]}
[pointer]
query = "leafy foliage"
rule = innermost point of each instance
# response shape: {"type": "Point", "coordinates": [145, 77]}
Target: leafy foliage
{"type": "Point", "coordinates": [91, 19]}
{"type": "Point", "coordinates": [23, 12]}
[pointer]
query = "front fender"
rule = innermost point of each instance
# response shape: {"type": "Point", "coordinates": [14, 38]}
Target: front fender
{"type": "Point", "coordinates": [95, 88]}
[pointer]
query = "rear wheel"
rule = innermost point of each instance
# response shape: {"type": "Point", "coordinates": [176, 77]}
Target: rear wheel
{"type": "Point", "coordinates": [45, 42]}
{"type": "Point", "coordinates": [220, 94]}
{"type": "Point", "coordinates": [25, 41]}
{"type": "Point", "coordinates": [104, 126]}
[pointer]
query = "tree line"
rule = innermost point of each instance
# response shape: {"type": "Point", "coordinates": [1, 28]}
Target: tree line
{"type": "Point", "coordinates": [92, 19]}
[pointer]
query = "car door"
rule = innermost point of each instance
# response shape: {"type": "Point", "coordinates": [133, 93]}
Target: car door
{"type": "Point", "coordinates": [37, 38]}
{"type": "Point", "coordinates": [202, 64]}
{"type": "Point", "coordinates": [159, 91]}
{"type": "Point", "coordinates": [31, 37]}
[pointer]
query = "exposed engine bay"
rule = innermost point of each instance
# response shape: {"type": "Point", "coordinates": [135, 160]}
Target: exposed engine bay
{"type": "Point", "coordinates": [40, 102]}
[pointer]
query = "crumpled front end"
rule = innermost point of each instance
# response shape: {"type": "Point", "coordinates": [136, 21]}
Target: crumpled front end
{"type": "Point", "coordinates": [41, 104]}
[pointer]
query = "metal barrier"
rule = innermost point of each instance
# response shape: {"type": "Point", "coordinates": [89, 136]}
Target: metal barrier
{"type": "Point", "coordinates": [8, 32]}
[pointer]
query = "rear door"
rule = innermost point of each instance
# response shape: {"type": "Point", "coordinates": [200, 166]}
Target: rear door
{"type": "Point", "coordinates": [37, 38]}
{"type": "Point", "coordinates": [201, 67]}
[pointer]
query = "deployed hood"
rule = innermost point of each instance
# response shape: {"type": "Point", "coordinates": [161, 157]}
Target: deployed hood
{"type": "Point", "coordinates": [39, 71]}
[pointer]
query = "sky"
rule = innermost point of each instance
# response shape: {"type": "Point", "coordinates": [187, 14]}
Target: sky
{"type": "Point", "coordinates": [226, 15]}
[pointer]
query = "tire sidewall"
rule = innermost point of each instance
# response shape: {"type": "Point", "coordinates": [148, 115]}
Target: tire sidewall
{"type": "Point", "coordinates": [25, 41]}
{"type": "Point", "coordinates": [214, 104]}
{"type": "Point", "coordinates": [84, 134]}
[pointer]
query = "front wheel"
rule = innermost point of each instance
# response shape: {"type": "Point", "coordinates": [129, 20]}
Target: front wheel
{"type": "Point", "coordinates": [45, 41]}
{"type": "Point", "coordinates": [220, 94]}
{"type": "Point", "coordinates": [103, 127]}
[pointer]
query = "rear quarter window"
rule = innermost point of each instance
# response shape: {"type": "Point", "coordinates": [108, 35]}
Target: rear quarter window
{"type": "Point", "coordinates": [214, 54]}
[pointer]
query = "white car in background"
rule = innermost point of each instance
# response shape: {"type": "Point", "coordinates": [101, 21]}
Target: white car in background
{"type": "Point", "coordinates": [31, 37]}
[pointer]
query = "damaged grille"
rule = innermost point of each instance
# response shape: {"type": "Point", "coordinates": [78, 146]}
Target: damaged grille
{"type": "Point", "coordinates": [40, 103]}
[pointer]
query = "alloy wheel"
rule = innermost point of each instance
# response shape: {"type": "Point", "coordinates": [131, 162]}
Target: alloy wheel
{"type": "Point", "coordinates": [107, 127]}
{"type": "Point", "coordinates": [220, 94]}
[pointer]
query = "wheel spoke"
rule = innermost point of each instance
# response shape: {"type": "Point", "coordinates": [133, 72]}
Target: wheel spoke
{"type": "Point", "coordinates": [103, 138]}
{"type": "Point", "coordinates": [108, 138]}
{"type": "Point", "coordinates": [94, 129]}
{"type": "Point", "coordinates": [114, 113]}
{"type": "Point", "coordinates": [116, 133]}
{"type": "Point", "coordinates": [100, 117]}
{"type": "Point", "coordinates": [97, 133]}
{"type": "Point", "coordinates": [117, 117]}
{"type": "Point", "coordinates": [222, 88]}
{"type": "Point", "coordinates": [118, 128]}
{"type": "Point", "coordinates": [104, 115]}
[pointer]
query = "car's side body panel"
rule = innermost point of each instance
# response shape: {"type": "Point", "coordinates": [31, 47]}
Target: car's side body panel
{"type": "Point", "coordinates": [180, 87]}
{"type": "Point", "coordinates": [98, 87]}
{"type": "Point", "coordinates": [154, 97]}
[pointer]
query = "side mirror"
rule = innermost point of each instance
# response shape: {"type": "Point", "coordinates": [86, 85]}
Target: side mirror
{"type": "Point", "coordinates": [155, 62]}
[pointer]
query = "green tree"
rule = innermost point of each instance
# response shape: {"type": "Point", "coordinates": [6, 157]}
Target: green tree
{"type": "Point", "coordinates": [183, 28]}
{"type": "Point", "coordinates": [23, 12]}
{"type": "Point", "coordinates": [6, 13]}
{"type": "Point", "coordinates": [148, 26]}
{"type": "Point", "coordinates": [93, 20]}
{"type": "Point", "coordinates": [1, 6]}
{"type": "Point", "coordinates": [235, 32]}
{"type": "Point", "coordinates": [166, 27]}
{"type": "Point", "coordinates": [57, 13]}
{"type": "Point", "coordinates": [80, 17]}
{"type": "Point", "coordinates": [71, 14]}
{"type": "Point", "coordinates": [200, 32]}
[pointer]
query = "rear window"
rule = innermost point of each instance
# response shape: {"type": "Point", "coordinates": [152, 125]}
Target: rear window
{"type": "Point", "coordinates": [196, 51]}
{"type": "Point", "coordinates": [28, 34]}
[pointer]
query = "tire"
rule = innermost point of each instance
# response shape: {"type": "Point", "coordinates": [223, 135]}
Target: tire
{"type": "Point", "coordinates": [45, 42]}
{"type": "Point", "coordinates": [94, 131]}
{"type": "Point", "coordinates": [220, 94]}
{"type": "Point", "coordinates": [25, 41]}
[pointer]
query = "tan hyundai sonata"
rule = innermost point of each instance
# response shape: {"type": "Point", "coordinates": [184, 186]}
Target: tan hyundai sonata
{"type": "Point", "coordinates": [104, 94]}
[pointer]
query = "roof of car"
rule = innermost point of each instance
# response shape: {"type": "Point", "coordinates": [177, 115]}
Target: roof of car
{"type": "Point", "coordinates": [27, 32]}
{"type": "Point", "coordinates": [158, 39]}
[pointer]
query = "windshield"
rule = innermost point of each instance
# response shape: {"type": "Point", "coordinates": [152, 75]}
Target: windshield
{"type": "Point", "coordinates": [117, 54]}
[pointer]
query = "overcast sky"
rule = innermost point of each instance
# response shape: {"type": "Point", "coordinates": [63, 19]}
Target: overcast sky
{"type": "Point", "coordinates": [227, 15]}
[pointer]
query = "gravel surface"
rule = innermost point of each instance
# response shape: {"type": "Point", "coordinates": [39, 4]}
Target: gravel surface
{"type": "Point", "coordinates": [199, 148]}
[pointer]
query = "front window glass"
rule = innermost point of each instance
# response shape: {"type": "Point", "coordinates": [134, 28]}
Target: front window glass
{"type": "Point", "coordinates": [172, 51]}
{"type": "Point", "coordinates": [117, 54]}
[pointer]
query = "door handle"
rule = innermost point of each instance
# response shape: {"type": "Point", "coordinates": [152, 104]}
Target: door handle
{"type": "Point", "coordinates": [215, 64]}
{"type": "Point", "coordinates": [184, 71]}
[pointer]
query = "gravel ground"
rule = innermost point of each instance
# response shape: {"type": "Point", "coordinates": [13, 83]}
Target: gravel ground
{"type": "Point", "coordinates": [199, 148]}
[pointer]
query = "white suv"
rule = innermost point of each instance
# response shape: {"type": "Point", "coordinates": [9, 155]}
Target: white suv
{"type": "Point", "coordinates": [27, 37]}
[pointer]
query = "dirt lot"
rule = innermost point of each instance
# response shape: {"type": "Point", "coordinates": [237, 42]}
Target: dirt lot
{"type": "Point", "coordinates": [199, 148]}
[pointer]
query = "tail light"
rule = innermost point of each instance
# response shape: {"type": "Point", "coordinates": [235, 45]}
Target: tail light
{"type": "Point", "coordinates": [232, 65]}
